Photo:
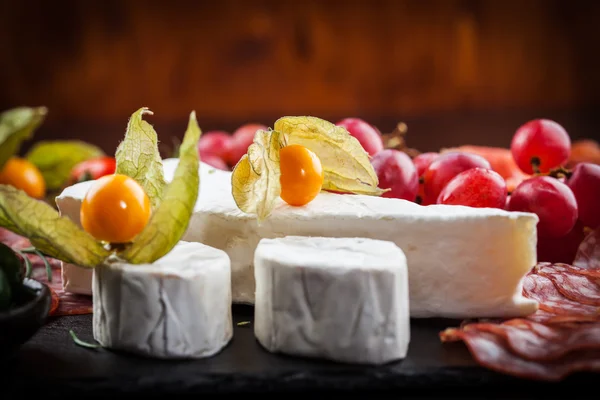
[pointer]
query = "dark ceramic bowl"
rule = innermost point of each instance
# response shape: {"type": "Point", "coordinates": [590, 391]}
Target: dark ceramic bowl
{"type": "Point", "coordinates": [20, 323]}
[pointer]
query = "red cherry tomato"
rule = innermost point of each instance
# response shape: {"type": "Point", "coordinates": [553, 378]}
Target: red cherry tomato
{"type": "Point", "coordinates": [93, 169]}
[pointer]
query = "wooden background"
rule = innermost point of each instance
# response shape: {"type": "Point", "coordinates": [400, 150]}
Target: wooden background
{"type": "Point", "coordinates": [455, 71]}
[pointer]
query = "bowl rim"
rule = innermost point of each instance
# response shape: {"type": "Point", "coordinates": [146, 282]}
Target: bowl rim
{"type": "Point", "coordinates": [41, 292]}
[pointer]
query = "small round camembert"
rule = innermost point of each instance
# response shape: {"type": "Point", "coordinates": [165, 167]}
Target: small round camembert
{"type": "Point", "coordinates": [177, 307]}
{"type": "Point", "coordinates": [342, 299]}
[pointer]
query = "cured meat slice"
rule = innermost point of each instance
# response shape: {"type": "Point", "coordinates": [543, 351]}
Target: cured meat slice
{"type": "Point", "coordinates": [492, 351]}
{"type": "Point", "coordinates": [579, 288]}
{"type": "Point", "coordinates": [550, 269]}
{"type": "Point", "coordinates": [562, 337]}
{"type": "Point", "coordinates": [588, 255]}
{"type": "Point", "coordinates": [54, 302]}
{"type": "Point", "coordinates": [62, 303]}
{"type": "Point", "coordinates": [541, 342]}
{"type": "Point", "coordinates": [543, 290]}
{"type": "Point", "coordinates": [68, 303]}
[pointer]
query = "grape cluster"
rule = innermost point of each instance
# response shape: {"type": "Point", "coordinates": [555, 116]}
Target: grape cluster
{"type": "Point", "coordinates": [566, 201]}
{"type": "Point", "coordinates": [222, 150]}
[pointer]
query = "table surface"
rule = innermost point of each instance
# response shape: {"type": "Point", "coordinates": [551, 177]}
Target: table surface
{"type": "Point", "coordinates": [52, 362]}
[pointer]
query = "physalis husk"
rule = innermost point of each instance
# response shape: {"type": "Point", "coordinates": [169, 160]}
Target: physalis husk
{"type": "Point", "coordinates": [346, 165]}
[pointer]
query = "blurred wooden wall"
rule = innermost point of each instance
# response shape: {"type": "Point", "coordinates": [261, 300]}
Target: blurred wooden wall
{"type": "Point", "coordinates": [247, 60]}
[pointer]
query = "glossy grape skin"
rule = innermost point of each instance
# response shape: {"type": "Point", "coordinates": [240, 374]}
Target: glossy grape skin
{"type": "Point", "coordinates": [543, 141]}
{"type": "Point", "coordinates": [241, 139]}
{"type": "Point", "coordinates": [552, 201]}
{"type": "Point", "coordinates": [217, 143]}
{"type": "Point", "coordinates": [475, 187]}
{"type": "Point", "coordinates": [366, 134]}
{"type": "Point", "coordinates": [446, 167]}
{"type": "Point", "coordinates": [215, 162]}
{"type": "Point", "coordinates": [585, 184]}
{"type": "Point", "coordinates": [423, 161]}
{"type": "Point", "coordinates": [562, 249]}
{"type": "Point", "coordinates": [397, 172]}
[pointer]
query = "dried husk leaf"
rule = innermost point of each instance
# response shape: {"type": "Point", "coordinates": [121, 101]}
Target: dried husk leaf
{"type": "Point", "coordinates": [139, 158]}
{"type": "Point", "coordinates": [346, 165]}
{"type": "Point", "coordinates": [255, 179]}
{"type": "Point", "coordinates": [171, 218]}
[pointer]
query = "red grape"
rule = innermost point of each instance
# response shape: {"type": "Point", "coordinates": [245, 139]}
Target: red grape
{"type": "Point", "coordinates": [552, 201]}
{"type": "Point", "coordinates": [214, 142]}
{"type": "Point", "coordinates": [241, 139]}
{"type": "Point", "coordinates": [541, 143]}
{"type": "Point", "coordinates": [366, 134]}
{"type": "Point", "coordinates": [397, 172]}
{"type": "Point", "coordinates": [215, 161]}
{"type": "Point", "coordinates": [562, 249]}
{"type": "Point", "coordinates": [585, 184]}
{"type": "Point", "coordinates": [446, 167]}
{"type": "Point", "coordinates": [475, 187]}
{"type": "Point", "coordinates": [423, 160]}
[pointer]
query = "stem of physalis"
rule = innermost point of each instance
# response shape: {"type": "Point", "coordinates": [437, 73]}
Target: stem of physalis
{"type": "Point", "coordinates": [116, 247]}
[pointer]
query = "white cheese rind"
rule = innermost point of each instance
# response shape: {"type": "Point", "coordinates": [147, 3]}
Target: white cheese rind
{"type": "Point", "coordinates": [74, 278]}
{"type": "Point", "coordinates": [177, 307]}
{"type": "Point", "coordinates": [462, 262]}
{"type": "Point", "coordinates": [339, 299]}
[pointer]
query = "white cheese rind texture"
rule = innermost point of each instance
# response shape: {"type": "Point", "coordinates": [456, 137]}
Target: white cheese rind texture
{"type": "Point", "coordinates": [178, 307]}
{"type": "Point", "coordinates": [462, 262]}
{"type": "Point", "coordinates": [341, 299]}
{"type": "Point", "coordinates": [74, 278]}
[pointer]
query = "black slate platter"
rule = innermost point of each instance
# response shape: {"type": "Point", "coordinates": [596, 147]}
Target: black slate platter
{"type": "Point", "coordinates": [51, 363]}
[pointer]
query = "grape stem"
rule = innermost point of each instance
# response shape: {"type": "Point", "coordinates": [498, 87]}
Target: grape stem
{"type": "Point", "coordinates": [397, 140]}
{"type": "Point", "coordinates": [535, 165]}
{"type": "Point", "coordinates": [560, 172]}
{"type": "Point", "coordinates": [117, 246]}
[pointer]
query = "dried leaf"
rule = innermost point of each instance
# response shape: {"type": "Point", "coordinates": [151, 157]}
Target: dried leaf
{"type": "Point", "coordinates": [171, 219]}
{"type": "Point", "coordinates": [52, 234]}
{"type": "Point", "coordinates": [56, 158]}
{"type": "Point", "coordinates": [346, 165]}
{"type": "Point", "coordinates": [138, 156]}
{"type": "Point", "coordinates": [16, 126]}
{"type": "Point", "coordinates": [337, 183]}
{"type": "Point", "coordinates": [255, 179]}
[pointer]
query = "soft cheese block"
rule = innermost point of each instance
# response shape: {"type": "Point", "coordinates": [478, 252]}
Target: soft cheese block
{"type": "Point", "coordinates": [74, 278]}
{"type": "Point", "coordinates": [176, 307]}
{"type": "Point", "coordinates": [462, 262]}
{"type": "Point", "coordinates": [342, 299]}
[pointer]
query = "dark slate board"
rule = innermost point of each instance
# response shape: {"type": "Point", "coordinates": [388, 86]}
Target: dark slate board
{"type": "Point", "coordinates": [52, 363]}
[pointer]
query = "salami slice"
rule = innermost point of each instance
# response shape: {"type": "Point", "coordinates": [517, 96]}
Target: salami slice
{"type": "Point", "coordinates": [551, 300]}
{"type": "Point", "coordinates": [562, 337]}
{"type": "Point", "coordinates": [540, 342]}
{"type": "Point", "coordinates": [62, 303]}
{"type": "Point", "coordinates": [549, 268]}
{"type": "Point", "coordinates": [579, 288]}
{"type": "Point", "coordinates": [588, 255]}
{"type": "Point", "coordinates": [54, 303]}
{"type": "Point", "coordinates": [492, 351]}
{"type": "Point", "coordinates": [69, 303]}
